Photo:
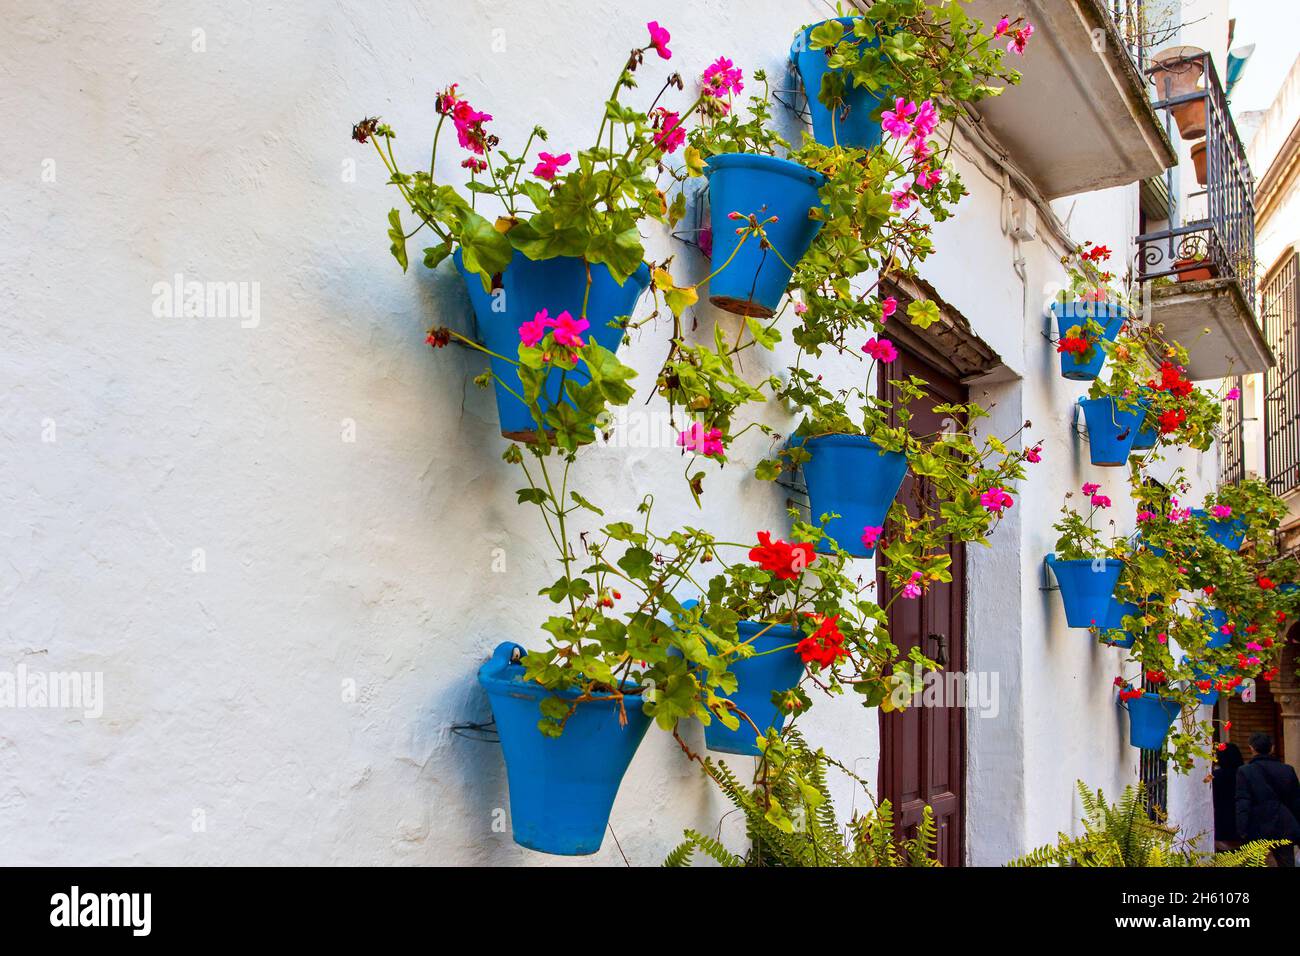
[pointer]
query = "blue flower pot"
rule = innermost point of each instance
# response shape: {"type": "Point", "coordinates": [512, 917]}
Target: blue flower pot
{"type": "Point", "coordinates": [1230, 532]}
{"type": "Point", "coordinates": [1086, 590]}
{"type": "Point", "coordinates": [1069, 314]}
{"type": "Point", "coordinates": [1209, 697]}
{"type": "Point", "coordinates": [1149, 719]}
{"type": "Point", "coordinates": [1111, 431]}
{"type": "Point", "coordinates": [852, 123]}
{"type": "Point", "coordinates": [1214, 620]}
{"type": "Point", "coordinates": [1114, 633]}
{"type": "Point", "coordinates": [754, 281]}
{"type": "Point", "coordinates": [557, 285]}
{"type": "Point", "coordinates": [853, 477]}
{"type": "Point", "coordinates": [561, 788]}
{"type": "Point", "coordinates": [1149, 433]}
{"type": "Point", "coordinates": [756, 679]}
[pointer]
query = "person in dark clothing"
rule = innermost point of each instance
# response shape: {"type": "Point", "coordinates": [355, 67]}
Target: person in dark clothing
{"type": "Point", "coordinates": [1224, 790]}
{"type": "Point", "coordinates": [1268, 800]}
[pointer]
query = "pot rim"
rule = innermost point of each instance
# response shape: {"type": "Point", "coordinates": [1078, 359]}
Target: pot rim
{"type": "Point", "coordinates": [764, 163]}
{"type": "Point", "coordinates": [491, 679]}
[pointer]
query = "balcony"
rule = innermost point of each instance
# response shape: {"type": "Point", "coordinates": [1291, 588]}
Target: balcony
{"type": "Point", "coordinates": [1202, 272]}
{"type": "Point", "coordinates": [1080, 119]}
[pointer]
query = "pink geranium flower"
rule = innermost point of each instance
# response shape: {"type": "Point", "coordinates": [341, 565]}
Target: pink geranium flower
{"type": "Point", "coordinates": [722, 77]}
{"type": "Point", "coordinates": [568, 330]}
{"type": "Point", "coordinates": [926, 121]}
{"type": "Point", "coordinates": [912, 589]}
{"type": "Point", "coordinates": [800, 308]}
{"type": "Point", "coordinates": [928, 178]}
{"type": "Point", "coordinates": [1146, 516]}
{"type": "Point", "coordinates": [1100, 501]}
{"type": "Point", "coordinates": [550, 165]}
{"type": "Point", "coordinates": [668, 131]}
{"type": "Point", "coordinates": [870, 535]}
{"type": "Point", "coordinates": [897, 122]}
{"type": "Point", "coordinates": [996, 500]}
{"type": "Point", "coordinates": [1019, 39]}
{"type": "Point", "coordinates": [1221, 512]}
{"type": "Point", "coordinates": [1091, 488]}
{"type": "Point", "coordinates": [659, 38]}
{"type": "Point", "coordinates": [1034, 455]}
{"type": "Point", "coordinates": [534, 330]}
{"type": "Point", "coordinates": [1233, 394]}
{"type": "Point", "coordinates": [701, 440]}
{"type": "Point", "coordinates": [888, 307]}
{"type": "Point", "coordinates": [902, 198]}
{"type": "Point", "coordinates": [469, 127]}
{"type": "Point", "coordinates": [882, 350]}
{"type": "Point", "coordinates": [1003, 26]}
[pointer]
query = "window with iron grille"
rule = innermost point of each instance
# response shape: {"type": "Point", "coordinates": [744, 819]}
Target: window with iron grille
{"type": "Point", "coordinates": [1230, 443]}
{"type": "Point", "coordinates": [1280, 304]}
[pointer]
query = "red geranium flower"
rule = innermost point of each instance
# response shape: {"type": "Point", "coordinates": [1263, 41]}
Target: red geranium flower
{"type": "Point", "coordinates": [783, 559]}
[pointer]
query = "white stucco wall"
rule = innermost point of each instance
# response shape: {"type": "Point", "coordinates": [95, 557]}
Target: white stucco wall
{"type": "Point", "coordinates": [135, 448]}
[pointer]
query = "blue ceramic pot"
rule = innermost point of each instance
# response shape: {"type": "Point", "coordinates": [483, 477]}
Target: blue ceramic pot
{"type": "Point", "coordinates": [755, 279]}
{"type": "Point", "coordinates": [1215, 620]}
{"type": "Point", "coordinates": [1149, 433]}
{"type": "Point", "coordinates": [556, 285]}
{"type": "Point", "coordinates": [1087, 588]}
{"type": "Point", "coordinates": [1229, 532]}
{"type": "Point", "coordinates": [1111, 430]}
{"type": "Point", "coordinates": [561, 788]}
{"type": "Point", "coordinates": [1114, 633]}
{"type": "Point", "coordinates": [852, 123]}
{"type": "Point", "coordinates": [853, 477]}
{"type": "Point", "coordinates": [1149, 719]}
{"type": "Point", "coordinates": [756, 679]}
{"type": "Point", "coordinates": [1069, 314]}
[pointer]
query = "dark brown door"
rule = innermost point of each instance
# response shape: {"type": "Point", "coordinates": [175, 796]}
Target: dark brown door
{"type": "Point", "coordinates": [923, 748]}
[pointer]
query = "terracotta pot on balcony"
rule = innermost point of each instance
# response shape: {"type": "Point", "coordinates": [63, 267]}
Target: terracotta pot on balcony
{"type": "Point", "coordinates": [1183, 78]}
{"type": "Point", "coordinates": [1199, 161]}
{"type": "Point", "coordinates": [1194, 270]}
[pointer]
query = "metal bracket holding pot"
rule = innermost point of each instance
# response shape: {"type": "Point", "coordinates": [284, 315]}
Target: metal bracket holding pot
{"type": "Point", "coordinates": [796, 95]}
{"type": "Point", "coordinates": [1047, 584]}
{"type": "Point", "coordinates": [1074, 422]}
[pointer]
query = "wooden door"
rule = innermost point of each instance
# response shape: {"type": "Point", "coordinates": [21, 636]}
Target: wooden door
{"type": "Point", "coordinates": [923, 749]}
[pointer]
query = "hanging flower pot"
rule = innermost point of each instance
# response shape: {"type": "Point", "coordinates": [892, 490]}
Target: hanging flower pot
{"type": "Point", "coordinates": [774, 191]}
{"type": "Point", "coordinates": [776, 666]}
{"type": "Point", "coordinates": [1149, 433]}
{"type": "Point", "coordinates": [1172, 79]}
{"type": "Point", "coordinates": [1111, 430]}
{"type": "Point", "coordinates": [1208, 695]}
{"type": "Point", "coordinates": [1149, 719]}
{"type": "Point", "coordinates": [1215, 622]}
{"type": "Point", "coordinates": [1087, 588]}
{"type": "Point", "coordinates": [1113, 632]}
{"type": "Point", "coordinates": [851, 123]}
{"type": "Point", "coordinates": [1069, 315]}
{"type": "Point", "coordinates": [557, 285]}
{"type": "Point", "coordinates": [561, 788]}
{"type": "Point", "coordinates": [1229, 532]}
{"type": "Point", "coordinates": [1199, 163]}
{"type": "Point", "coordinates": [853, 477]}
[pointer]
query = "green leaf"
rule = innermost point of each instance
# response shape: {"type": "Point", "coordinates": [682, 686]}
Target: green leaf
{"type": "Point", "coordinates": [482, 248]}
{"type": "Point", "coordinates": [585, 503]}
{"type": "Point", "coordinates": [923, 313]}
{"type": "Point", "coordinates": [398, 236]}
{"type": "Point", "coordinates": [435, 254]}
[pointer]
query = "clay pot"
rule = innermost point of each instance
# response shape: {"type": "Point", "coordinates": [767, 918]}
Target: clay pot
{"type": "Point", "coordinates": [1200, 163]}
{"type": "Point", "coordinates": [1183, 78]}
{"type": "Point", "coordinates": [1194, 270]}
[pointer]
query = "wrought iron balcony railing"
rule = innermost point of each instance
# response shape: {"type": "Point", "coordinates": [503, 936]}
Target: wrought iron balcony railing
{"type": "Point", "coordinates": [1280, 308]}
{"type": "Point", "coordinates": [1220, 243]}
{"type": "Point", "coordinates": [1232, 452]}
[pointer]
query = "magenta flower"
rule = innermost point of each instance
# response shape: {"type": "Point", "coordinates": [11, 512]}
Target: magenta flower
{"type": "Point", "coordinates": [902, 199]}
{"type": "Point", "coordinates": [1019, 39]}
{"type": "Point", "coordinates": [1003, 26]}
{"type": "Point", "coordinates": [928, 178]}
{"type": "Point", "coordinates": [534, 330]}
{"type": "Point", "coordinates": [1034, 455]}
{"type": "Point", "coordinates": [912, 589]}
{"type": "Point", "coordinates": [897, 122]}
{"type": "Point", "coordinates": [996, 500]}
{"type": "Point", "coordinates": [1221, 512]}
{"type": "Point", "coordinates": [668, 131]}
{"type": "Point", "coordinates": [1234, 393]}
{"type": "Point", "coordinates": [702, 441]}
{"type": "Point", "coordinates": [550, 165]}
{"type": "Point", "coordinates": [888, 307]}
{"type": "Point", "coordinates": [659, 38]}
{"type": "Point", "coordinates": [1091, 488]}
{"type": "Point", "coordinates": [870, 535]}
{"type": "Point", "coordinates": [926, 121]}
{"type": "Point", "coordinates": [1100, 501]}
{"type": "Point", "coordinates": [1146, 516]}
{"type": "Point", "coordinates": [921, 150]}
{"type": "Point", "coordinates": [882, 350]}
{"type": "Point", "coordinates": [568, 330]}
{"type": "Point", "coordinates": [722, 78]}
{"type": "Point", "coordinates": [1179, 515]}
{"type": "Point", "coordinates": [800, 308]}
{"type": "Point", "coordinates": [469, 127]}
